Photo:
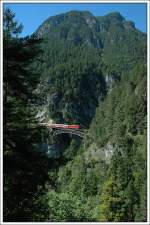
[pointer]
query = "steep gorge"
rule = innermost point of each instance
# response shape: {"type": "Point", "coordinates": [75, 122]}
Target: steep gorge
{"type": "Point", "coordinates": [92, 73]}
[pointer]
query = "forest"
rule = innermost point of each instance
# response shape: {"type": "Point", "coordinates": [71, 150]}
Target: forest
{"type": "Point", "coordinates": [75, 69]}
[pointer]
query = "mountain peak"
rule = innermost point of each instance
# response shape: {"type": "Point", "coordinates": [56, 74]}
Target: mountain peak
{"type": "Point", "coordinates": [115, 15]}
{"type": "Point", "coordinates": [78, 12]}
{"type": "Point", "coordinates": [82, 27]}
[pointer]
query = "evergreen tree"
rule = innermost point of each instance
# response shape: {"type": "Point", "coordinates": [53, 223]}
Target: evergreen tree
{"type": "Point", "coordinates": [21, 166]}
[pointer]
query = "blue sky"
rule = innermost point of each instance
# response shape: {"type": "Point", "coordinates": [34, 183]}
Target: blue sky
{"type": "Point", "coordinates": [32, 15]}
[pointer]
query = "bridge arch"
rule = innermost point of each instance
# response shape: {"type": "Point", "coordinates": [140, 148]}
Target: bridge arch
{"type": "Point", "coordinates": [68, 131]}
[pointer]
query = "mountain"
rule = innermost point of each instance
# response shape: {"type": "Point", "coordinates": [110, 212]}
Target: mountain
{"type": "Point", "coordinates": [112, 33]}
{"type": "Point", "coordinates": [94, 74]}
{"type": "Point", "coordinates": [80, 64]}
{"type": "Point", "coordinates": [89, 70]}
{"type": "Point", "coordinates": [77, 27]}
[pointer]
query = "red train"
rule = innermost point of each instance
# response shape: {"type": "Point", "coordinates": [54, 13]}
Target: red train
{"type": "Point", "coordinates": [65, 126]}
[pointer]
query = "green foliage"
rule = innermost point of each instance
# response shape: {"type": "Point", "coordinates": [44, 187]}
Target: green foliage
{"type": "Point", "coordinates": [10, 26]}
{"type": "Point", "coordinates": [90, 69]}
{"type": "Point", "coordinates": [63, 207]}
{"type": "Point", "coordinates": [21, 166]}
{"type": "Point", "coordinates": [110, 202]}
{"type": "Point", "coordinates": [111, 33]}
{"type": "Point", "coordinates": [121, 121]}
{"type": "Point", "coordinates": [71, 76]}
{"type": "Point", "coordinates": [121, 199]}
{"type": "Point", "coordinates": [124, 110]}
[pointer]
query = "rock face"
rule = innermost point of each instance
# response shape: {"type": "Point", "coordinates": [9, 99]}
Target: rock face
{"type": "Point", "coordinates": [95, 153]}
{"type": "Point", "coordinates": [74, 26]}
